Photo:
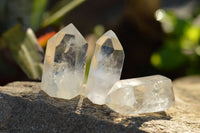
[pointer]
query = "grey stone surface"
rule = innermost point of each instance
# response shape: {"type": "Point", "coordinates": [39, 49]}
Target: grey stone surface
{"type": "Point", "coordinates": [24, 107]}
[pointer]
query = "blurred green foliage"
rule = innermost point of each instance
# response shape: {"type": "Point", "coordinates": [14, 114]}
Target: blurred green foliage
{"type": "Point", "coordinates": [24, 50]}
{"type": "Point", "coordinates": [38, 9]}
{"type": "Point", "coordinates": [181, 48]}
{"type": "Point", "coordinates": [20, 20]}
{"type": "Point", "coordinates": [61, 8]}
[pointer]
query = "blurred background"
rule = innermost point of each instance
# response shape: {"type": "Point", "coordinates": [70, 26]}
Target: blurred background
{"type": "Point", "coordinates": [158, 36]}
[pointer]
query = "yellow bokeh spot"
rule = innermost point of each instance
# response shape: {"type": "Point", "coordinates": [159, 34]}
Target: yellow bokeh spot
{"type": "Point", "coordinates": [193, 33]}
{"type": "Point", "coordinates": [156, 60]}
{"type": "Point", "coordinates": [99, 30]}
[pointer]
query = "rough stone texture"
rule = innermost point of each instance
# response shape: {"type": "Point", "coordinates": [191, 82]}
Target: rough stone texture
{"type": "Point", "coordinates": [25, 108]}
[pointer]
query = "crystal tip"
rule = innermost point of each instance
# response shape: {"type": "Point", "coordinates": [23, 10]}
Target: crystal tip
{"type": "Point", "coordinates": [110, 33]}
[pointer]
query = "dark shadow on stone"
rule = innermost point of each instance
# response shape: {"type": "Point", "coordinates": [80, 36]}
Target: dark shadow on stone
{"type": "Point", "coordinates": [41, 116]}
{"type": "Point", "coordinates": [35, 111]}
{"type": "Point", "coordinates": [132, 122]}
{"type": "Point", "coordinates": [142, 118]}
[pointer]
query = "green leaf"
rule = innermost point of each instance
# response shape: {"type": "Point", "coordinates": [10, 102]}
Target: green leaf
{"type": "Point", "coordinates": [169, 56]}
{"type": "Point", "coordinates": [38, 9]}
{"type": "Point", "coordinates": [53, 17]}
{"type": "Point", "coordinates": [25, 50]}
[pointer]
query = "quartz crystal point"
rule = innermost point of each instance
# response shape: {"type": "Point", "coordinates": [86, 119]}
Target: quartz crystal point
{"type": "Point", "coordinates": [64, 65]}
{"type": "Point", "coordinates": [105, 68]}
{"type": "Point", "coordinates": [141, 95]}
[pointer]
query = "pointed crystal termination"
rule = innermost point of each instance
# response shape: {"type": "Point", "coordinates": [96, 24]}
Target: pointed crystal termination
{"type": "Point", "coordinates": [64, 65]}
{"type": "Point", "coordinates": [141, 95]}
{"type": "Point", "coordinates": [105, 68]}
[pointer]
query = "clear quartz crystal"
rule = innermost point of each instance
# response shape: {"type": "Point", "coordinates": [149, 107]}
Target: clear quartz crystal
{"type": "Point", "coordinates": [64, 65]}
{"type": "Point", "coordinates": [105, 68]}
{"type": "Point", "coordinates": [141, 95]}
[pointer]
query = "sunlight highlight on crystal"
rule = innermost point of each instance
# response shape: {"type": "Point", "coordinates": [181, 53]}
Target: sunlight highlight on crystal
{"type": "Point", "coordinates": [105, 68]}
{"type": "Point", "coordinates": [141, 95]}
{"type": "Point", "coordinates": [64, 65]}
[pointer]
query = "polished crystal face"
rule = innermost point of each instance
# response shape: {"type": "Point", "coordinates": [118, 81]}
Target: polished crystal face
{"type": "Point", "coordinates": [64, 65]}
{"type": "Point", "coordinates": [141, 95]}
{"type": "Point", "coordinates": [105, 68]}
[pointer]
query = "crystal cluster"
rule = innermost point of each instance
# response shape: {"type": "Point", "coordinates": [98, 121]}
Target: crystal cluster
{"type": "Point", "coordinates": [64, 73]}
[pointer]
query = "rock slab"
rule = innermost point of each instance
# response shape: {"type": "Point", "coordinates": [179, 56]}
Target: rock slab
{"type": "Point", "coordinates": [24, 107]}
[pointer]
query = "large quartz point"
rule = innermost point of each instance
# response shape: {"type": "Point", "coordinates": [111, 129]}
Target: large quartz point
{"type": "Point", "coordinates": [64, 65]}
{"type": "Point", "coordinates": [141, 95]}
{"type": "Point", "coordinates": [105, 68]}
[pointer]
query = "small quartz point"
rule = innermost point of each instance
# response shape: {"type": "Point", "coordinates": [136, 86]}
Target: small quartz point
{"type": "Point", "coordinates": [64, 65]}
{"type": "Point", "coordinates": [105, 68]}
{"type": "Point", "coordinates": [141, 95]}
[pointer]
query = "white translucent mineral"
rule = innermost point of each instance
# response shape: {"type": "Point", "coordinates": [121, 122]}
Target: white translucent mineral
{"type": "Point", "coordinates": [64, 72]}
{"type": "Point", "coordinates": [105, 68]}
{"type": "Point", "coordinates": [141, 95]}
{"type": "Point", "coordinates": [64, 65]}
